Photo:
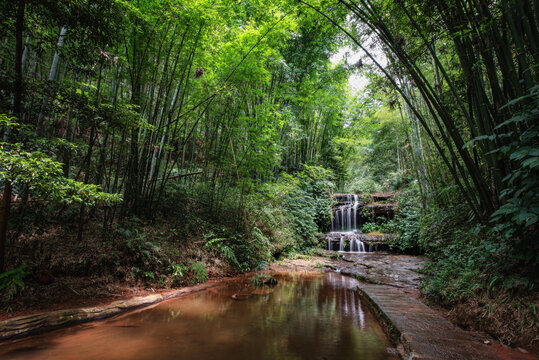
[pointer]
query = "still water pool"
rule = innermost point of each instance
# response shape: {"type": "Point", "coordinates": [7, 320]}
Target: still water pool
{"type": "Point", "coordinates": [305, 316]}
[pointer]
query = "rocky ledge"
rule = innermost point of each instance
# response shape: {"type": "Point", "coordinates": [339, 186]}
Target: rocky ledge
{"type": "Point", "coordinates": [374, 241]}
{"type": "Point", "coordinates": [38, 323]}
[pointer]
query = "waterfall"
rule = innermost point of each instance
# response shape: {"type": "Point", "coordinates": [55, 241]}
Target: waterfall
{"type": "Point", "coordinates": [356, 245]}
{"type": "Point", "coordinates": [354, 208]}
{"type": "Point", "coordinates": [361, 247]}
{"type": "Point", "coordinates": [345, 218]}
{"type": "Point", "coordinates": [345, 224]}
{"type": "Point", "coordinates": [350, 215]}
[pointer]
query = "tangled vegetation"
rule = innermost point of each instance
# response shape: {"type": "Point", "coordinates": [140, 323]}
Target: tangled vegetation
{"type": "Point", "coordinates": [161, 142]}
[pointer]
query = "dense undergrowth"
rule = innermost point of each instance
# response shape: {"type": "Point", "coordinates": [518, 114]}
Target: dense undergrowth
{"type": "Point", "coordinates": [189, 237]}
{"type": "Point", "coordinates": [477, 271]}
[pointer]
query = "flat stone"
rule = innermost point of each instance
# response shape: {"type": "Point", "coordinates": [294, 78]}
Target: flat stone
{"type": "Point", "coordinates": [424, 333]}
{"type": "Point", "coordinates": [38, 323]}
{"type": "Point", "coordinates": [396, 270]}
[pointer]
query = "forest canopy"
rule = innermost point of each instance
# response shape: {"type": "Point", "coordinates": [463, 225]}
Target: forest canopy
{"type": "Point", "coordinates": [234, 122]}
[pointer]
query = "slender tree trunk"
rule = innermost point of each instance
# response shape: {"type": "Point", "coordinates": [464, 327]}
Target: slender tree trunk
{"type": "Point", "coordinates": [52, 77]}
{"type": "Point", "coordinates": [4, 216]}
{"type": "Point", "coordinates": [18, 84]}
{"type": "Point", "coordinates": [17, 111]}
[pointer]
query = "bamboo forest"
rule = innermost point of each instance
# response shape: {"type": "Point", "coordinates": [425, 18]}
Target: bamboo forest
{"type": "Point", "coordinates": [269, 179]}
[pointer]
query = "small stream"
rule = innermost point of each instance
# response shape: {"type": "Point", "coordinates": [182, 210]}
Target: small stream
{"type": "Point", "coordinates": [305, 316]}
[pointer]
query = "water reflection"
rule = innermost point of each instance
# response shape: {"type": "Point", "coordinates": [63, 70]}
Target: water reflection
{"type": "Point", "coordinates": [306, 316]}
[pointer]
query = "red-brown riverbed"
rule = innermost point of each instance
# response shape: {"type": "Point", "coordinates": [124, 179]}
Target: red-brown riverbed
{"type": "Point", "coordinates": [305, 316]}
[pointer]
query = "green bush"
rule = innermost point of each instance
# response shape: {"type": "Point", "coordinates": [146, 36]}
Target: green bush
{"type": "Point", "coordinates": [381, 226]}
{"type": "Point", "coordinates": [306, 202]}
{"type": "Point", "coordinates": [407, 222]}
{"type": "Point", "coordinates": [364, 185]}
{"type": "Point", "coordinates": [220, 246]}
{"type": "Point", "coordinates": [200, 274]}
{"type": "Point", "coordinates": [469, 259]}
{"type": "Point", "coordinates": [12, 281]}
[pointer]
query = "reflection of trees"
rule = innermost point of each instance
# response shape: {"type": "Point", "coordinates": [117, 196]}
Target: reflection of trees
{"type": "Point", "coordinates": [318, 318]}
{"type": "Point", "coordinates": [305, 317]}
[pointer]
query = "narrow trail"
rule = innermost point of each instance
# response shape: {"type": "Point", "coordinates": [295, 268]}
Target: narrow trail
{"type": "Point", "coordinates": [391, 283]}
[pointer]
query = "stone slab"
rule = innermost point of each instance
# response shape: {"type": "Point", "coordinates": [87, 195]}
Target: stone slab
{"type": "Point", "coordinates": [39, 323]}
{"type": "Point", "coordinates": [424, 333]}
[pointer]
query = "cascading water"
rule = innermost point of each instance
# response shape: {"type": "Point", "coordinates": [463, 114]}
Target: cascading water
{"type": "Point", "coordinates": [345, 223]}
{"type": "Point", "coordinates": [346, 213]}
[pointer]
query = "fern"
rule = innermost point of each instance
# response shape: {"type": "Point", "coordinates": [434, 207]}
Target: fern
{"type": "Point", "coordinates": [12, 281]}
{"type": "Point", "coordinates": [218, 246]}
{"type": "Point", "coordinates": [200, 274]}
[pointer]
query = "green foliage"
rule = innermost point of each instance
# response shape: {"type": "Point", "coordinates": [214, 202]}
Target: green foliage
{"type": "Point", "coordinates": [364, 185]}
{"type": "Point", "coordinates": [520, 198]}
{"type": "Point", "coordinates": [193, 272]}
{"type": "Point", "coordinates": [200, 274]}
{"type": "Point", "coordinates": [129, 227]}
{"type": "Point", "coordinates": [44, 175]}
{"type": "Point", "coordinates": [273, 226]}
{"type": "Point", "coordinates": [306, 200]}
{"type": "Point", "coordinates": [455, 274]}
{"type": "Point", "coordinates": [145, 251]}
{"type": "Point", "coordinates": [261, 279]}
{"type": "Point", "coordinates": [377, 133]}
{"type": "Point", "coordinates": [12, 281]}
{"type": "Point", "coordinates": [219, 246]}
{"type": "Point", "coordinates": [177, 272]}
{"type": "Point", "coordinates": [469, 260]}
{"type": "Point", "coordinates": [407, 222]}
{"type": "Point", "coordinates": [381, 227]}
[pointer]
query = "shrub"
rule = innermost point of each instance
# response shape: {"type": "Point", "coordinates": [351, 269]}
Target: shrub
{"type": "Point", "coordinates": [200, 274]}
{"type": "Point", "coordinates": [306, 202]}
{"type": "Point", "coordinates": [407, 222]}
{"type": "Point", "coordinates": [12, 281]}
{"type": "Point", "coordinates": [364, 185]}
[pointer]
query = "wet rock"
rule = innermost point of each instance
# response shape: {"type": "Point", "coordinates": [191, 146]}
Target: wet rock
{"type": "Point", "coordinates": [38, 323]}
{"type": "Point", "coordinates": [371, 241]}
{"type": "Point", "coordinates": [387, 196]}
{"type": "Point", "coordinates": [395, 270]}
{"type": "Point", "coordinates": [377, 210]}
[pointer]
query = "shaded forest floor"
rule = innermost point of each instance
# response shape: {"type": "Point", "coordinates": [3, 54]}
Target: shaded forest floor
{"type": "Point", "coordinates": [66, 273]}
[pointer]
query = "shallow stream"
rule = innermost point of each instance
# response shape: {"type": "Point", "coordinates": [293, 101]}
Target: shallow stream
{"type": "Point", "coordinates": [305, 316]}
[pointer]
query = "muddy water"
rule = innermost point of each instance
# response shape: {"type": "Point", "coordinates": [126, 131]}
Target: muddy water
{"type": "Point", "coordinates": [306, 316]}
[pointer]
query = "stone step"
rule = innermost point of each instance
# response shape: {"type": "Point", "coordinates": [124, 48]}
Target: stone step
{"type": "Point", "coordinates": [424, 333]}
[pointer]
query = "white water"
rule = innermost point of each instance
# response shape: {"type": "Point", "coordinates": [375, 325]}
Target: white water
{"type": "Point", "coordinates": [345, 218]}
{"type": "Point", "coordinates": [345, 222]}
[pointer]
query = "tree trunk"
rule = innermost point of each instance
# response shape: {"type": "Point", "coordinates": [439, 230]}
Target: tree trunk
{"type": "Point", "coordinates": [4, 216]}
{"type": "Point", "coordinates": [52, 76]}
